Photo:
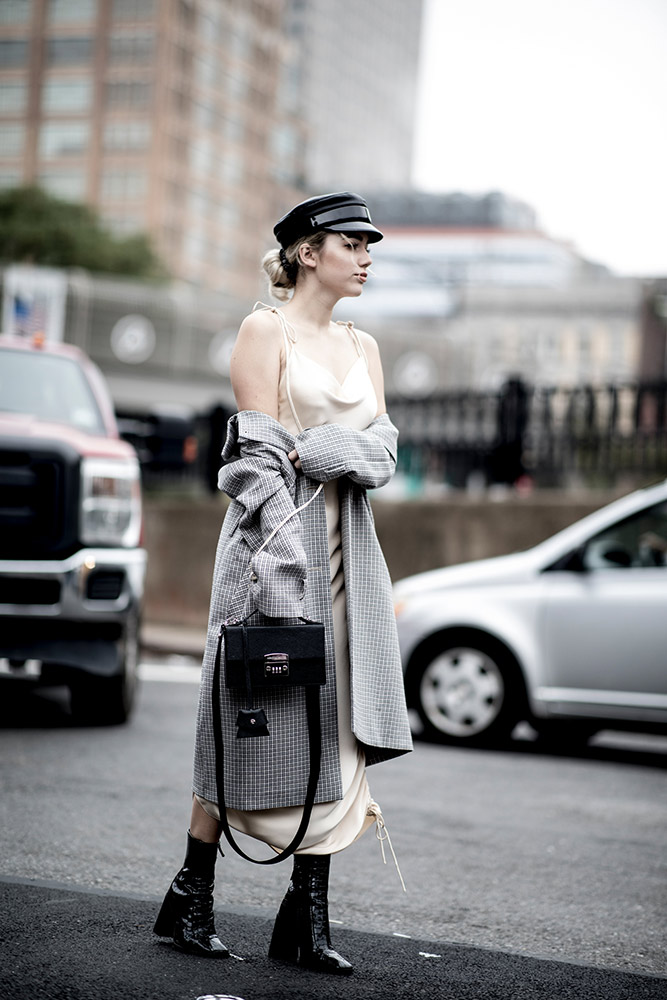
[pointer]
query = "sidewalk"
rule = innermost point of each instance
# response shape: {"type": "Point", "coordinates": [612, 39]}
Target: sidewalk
{"type": "Point", "coordinates": [67, 943]}
{"type": "Point", "coordinates": [159, 639]}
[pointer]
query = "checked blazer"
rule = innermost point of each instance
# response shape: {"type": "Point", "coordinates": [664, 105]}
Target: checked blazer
{"type": "Point", "coordinates": [290, 577]}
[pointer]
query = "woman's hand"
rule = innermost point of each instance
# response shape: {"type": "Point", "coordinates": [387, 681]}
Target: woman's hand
{"type": "Point", "coordinates": [294, 458]}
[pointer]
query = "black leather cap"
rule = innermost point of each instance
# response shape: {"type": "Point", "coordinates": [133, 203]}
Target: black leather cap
{"type": "Point", "coordinates": [342, 212]}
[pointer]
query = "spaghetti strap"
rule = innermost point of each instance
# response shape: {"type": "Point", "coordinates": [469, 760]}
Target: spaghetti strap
{"type": "Point", "coordinates": [355, 337]}
{"type": "Point", "coordinates": [290, 339]}
{"type": "Point", "coordinates": [285, 326]}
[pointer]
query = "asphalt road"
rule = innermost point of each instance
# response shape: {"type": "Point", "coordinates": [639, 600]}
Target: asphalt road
{"type": "Point", "coordinates": [528, 874]}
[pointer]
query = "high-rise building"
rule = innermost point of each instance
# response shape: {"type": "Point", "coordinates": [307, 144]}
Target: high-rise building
{"type": "Point", "coordinates": [355, 76]}
{"type": "Point", "coordinates": [158, 113]}
{"type": "Point", "coordinates": [201, 121]}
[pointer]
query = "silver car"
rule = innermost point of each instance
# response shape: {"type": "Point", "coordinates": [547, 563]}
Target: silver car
{"type": "Point", "coordinates": [570, 635]}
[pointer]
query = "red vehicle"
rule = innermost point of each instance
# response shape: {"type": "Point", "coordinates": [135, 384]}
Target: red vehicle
{"type": "Point", "coordinates": [71, 563]}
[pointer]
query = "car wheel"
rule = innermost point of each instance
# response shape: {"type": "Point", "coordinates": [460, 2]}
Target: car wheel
{"type": "Point", "coordinates": [108, 701]}
{"type": "Point", "coordinates": [467, 690]}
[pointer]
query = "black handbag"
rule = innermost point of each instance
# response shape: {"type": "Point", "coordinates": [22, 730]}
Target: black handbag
{"type": "Point", "coordinates": [270, 656]}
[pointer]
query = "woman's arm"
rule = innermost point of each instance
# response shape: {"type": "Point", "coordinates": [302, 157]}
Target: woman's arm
{"type": "Point", "coordinates": [368, 457]}
{"type": "Point", "coordinates": [255, 364]}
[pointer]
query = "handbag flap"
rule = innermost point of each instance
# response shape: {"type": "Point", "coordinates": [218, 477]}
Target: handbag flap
{"type": "Point", "coordinates": [302, 644]}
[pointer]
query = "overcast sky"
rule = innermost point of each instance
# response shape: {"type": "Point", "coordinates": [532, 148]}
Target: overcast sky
{"type": "Point", "coordinates": [561, 103]}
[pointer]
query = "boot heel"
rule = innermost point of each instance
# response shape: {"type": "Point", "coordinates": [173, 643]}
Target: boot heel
{"type": "Point", "coordinates": [166, 918]}
{"type": "Point", "coordinates": [284, 940]}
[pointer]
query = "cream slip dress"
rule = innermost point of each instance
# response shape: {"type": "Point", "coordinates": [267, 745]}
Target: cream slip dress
{"type": "Point", "coordinates": [310, 395]}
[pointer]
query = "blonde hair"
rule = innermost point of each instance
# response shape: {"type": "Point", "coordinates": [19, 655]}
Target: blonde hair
{"type": "Point", "coordinates": [281, 284]}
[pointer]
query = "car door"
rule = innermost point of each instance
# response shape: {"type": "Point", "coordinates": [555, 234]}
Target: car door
{"type": "Point", "coordinates": [605, 619]}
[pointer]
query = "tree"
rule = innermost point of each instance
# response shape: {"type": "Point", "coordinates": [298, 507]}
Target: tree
{"type": "Point", "coordinates": [37, 228]}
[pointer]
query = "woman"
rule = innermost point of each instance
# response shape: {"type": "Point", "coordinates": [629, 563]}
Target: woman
{"type": "Point", "coordinates": [311, 433]}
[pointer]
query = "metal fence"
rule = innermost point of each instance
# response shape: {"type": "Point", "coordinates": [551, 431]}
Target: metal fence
{"type": "Point", "coordinates": [556, 436]}
{"type": "Point", "coordinates": [549, 436]}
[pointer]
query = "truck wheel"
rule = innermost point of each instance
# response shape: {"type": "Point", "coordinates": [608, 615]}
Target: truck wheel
{"type": "Point", "coordinates": [108, 701]}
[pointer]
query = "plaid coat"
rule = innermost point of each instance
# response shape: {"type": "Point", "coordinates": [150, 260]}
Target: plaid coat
{"type": "Point", "coordinates": [291, 577]}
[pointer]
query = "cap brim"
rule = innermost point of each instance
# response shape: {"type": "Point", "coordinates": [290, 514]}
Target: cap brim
{"type": "Point", "coordinates": [374, 235]}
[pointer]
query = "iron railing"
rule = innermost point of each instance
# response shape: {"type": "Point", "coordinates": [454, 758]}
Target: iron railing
{"type": "Point", "coordinates": [590, 434]}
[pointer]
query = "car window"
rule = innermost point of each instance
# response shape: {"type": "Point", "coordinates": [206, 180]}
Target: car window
{"type": "Point", "coordinates": [50, 388]}
{"type": "Point", "coordinates": [640, 540]}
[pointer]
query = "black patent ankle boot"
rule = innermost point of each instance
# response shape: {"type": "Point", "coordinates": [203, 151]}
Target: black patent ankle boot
{"type": "Point", "coordinates": [186, 914]}
{"type": "Point", "coordinates": [301, 932]}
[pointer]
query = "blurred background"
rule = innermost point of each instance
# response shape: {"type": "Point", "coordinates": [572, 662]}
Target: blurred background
{"type": "Point", "coordinates": [148, 146]}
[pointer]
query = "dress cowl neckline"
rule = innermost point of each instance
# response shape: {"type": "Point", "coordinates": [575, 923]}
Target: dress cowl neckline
{"type": "Point", "coordinates": [309, 394]}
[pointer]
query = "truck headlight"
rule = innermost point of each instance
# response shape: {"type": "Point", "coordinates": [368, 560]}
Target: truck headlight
{"type": "Point", "coordinates": [110, 502]}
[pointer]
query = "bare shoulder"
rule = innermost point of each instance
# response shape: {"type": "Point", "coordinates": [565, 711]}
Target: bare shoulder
{"type": "Point", "coordinates": [254, 366]}
{"type": "Point", "coordinates": [369, 344]}
{"type": "Point", "coordinates": [260, 328]}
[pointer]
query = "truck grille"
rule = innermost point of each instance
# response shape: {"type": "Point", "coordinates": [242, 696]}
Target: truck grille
{"type": "Point", "coordinates": [27, 591]}
{"type": "Point", "coordinates": [39, 499]}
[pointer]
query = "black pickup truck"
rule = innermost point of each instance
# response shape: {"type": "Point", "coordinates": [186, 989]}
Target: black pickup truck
{"type": "Point", "coordinates": [72, 566]}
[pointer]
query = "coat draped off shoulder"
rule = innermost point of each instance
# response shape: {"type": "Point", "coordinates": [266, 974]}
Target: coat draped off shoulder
{"type": "Point", "coordinates": [289, 578]}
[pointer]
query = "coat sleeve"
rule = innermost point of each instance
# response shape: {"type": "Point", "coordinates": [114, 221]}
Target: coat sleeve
{"type": "Point", "coordinates": [367, 457]}
{"type": "Point", "coordinates": [262, 480]}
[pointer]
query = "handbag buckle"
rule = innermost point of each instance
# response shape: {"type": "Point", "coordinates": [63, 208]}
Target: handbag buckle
{"type": "Point", "coordinates": [276, 664]}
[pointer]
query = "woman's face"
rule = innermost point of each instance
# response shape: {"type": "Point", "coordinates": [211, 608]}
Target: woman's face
{"type": "Point", "coordinates": [343, 262]}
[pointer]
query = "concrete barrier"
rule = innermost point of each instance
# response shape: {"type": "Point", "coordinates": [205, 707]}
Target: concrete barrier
{"type": "Point", "coordinates": [181, 538]}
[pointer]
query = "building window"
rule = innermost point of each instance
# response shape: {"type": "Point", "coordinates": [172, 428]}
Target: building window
{"type": "Point", "coordinates": [133, 10]}
{"type": "Point", "coordinates": [127, 136]}
{"type": "Point", "coordinates": [585, 346]}
{"type": "Point", "coordinates": [206, 70]}
{"type": "Point", "coordinates": [236, 86]}
{"type": "Point", "coordinates": [12, 140]}
{"type": "Point", "coordinates": [199, 204]}
{"type": "Point", "coordinates": [202, 159]}
{"type": "Point", "coordinates": [69, 184]}
{"type": "Point", "coordinates": [13, 52]}
{"type": "Point", "coordinates": [284, 143]}
{"type": "Point", "coordinates": [229, 215]}
{"type": "Point", "coordinates": [195, 247]}
{"type": "Point", "coordinates": [10, 178]}
{"type": "Point", "coordinates": [232, 168]}
{"type": "Point", "coordinates": [179, 149]}
{"type": "Point", "coordinates": [134, 48]}
{"type": "Point", "coordinates": [15, 11]}
{"type": "Point", "coordinates": [123, 185]}
{"type": "Point", "coordinates": [123, 225]}
{"type": "Point", "coordinates": [13, 98]}
{"type": "Point", "coordinates": [128, 94]}
{"type": "Point", "coordinates": [68, 51]}
{"type": "Point", "coordinates": [63, 139]}
{"type": "Point", "coordinates": [234, 128]}
{"type": "Point", "coordinates": [64, 11]}
{"type": "Point", "coordinates": [206, 116]}
{"type": "Point", "coordinates": [67, 95]}
{"type": "Point", "coordinates": [226, 255]}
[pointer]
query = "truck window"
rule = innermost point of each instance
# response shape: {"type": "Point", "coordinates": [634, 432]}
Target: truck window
{"type": "Point", "coordinates": [49, 388]}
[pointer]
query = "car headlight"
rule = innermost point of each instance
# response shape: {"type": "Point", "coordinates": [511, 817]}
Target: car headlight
{"type": "Point", "coordinates": [110, 502]}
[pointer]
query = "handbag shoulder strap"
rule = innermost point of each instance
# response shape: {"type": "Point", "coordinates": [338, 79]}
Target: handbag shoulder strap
{"type": "Point", "coordinates": [297, 510]}
{"type": "Point", "coordinates": [312, 693]}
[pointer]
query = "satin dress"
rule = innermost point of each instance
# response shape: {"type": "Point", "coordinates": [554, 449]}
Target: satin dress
{"type": "Point", "coordinates": [310, 395]}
